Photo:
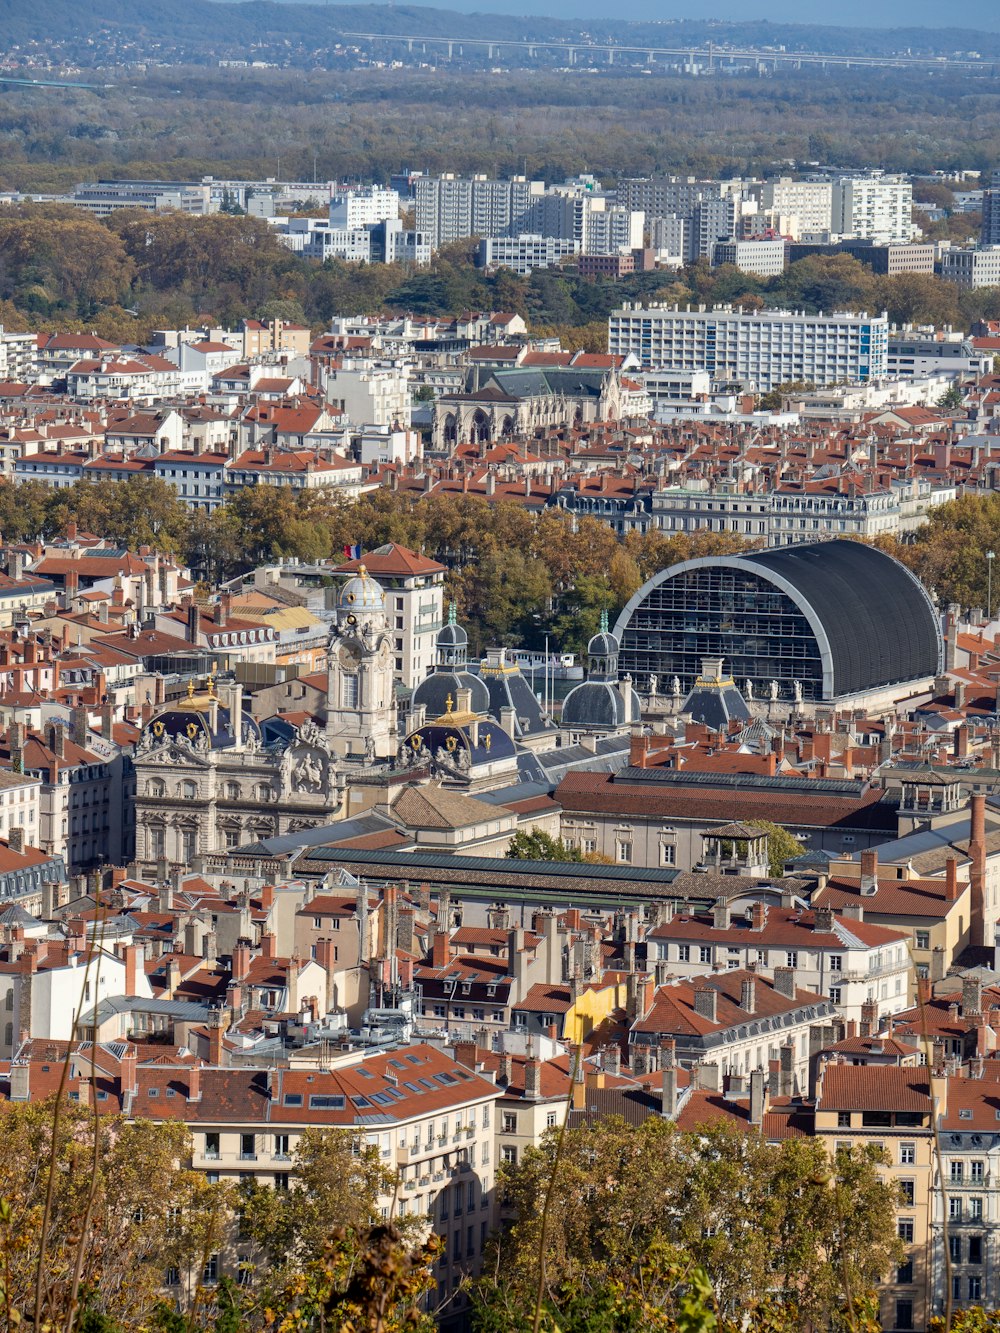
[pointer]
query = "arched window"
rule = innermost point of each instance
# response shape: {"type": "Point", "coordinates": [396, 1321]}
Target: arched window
{"type": "Point", "coordinates": [156, 787]}
{"type": "Point", "coordinates": [232, 791]}
{"type": "Point", "coordinates": [264, 793]}
{"type": "Point", "coordinates": [188, 791]}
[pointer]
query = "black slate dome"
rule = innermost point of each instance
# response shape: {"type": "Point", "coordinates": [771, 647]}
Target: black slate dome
{"type": "Point", "coordinates": [597, 705]}
{"type": "Point", "coordinates": [820, 621]}
{"type": "Point", "coordinates": [434, 691]}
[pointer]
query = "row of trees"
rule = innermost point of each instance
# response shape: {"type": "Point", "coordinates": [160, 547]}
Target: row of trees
{"type": "Point", "coordinates": [96, 1211]}
{"type": "Point", "coordinates": [132, 272]}
{"type": "Point", "coordinates": [641, 1228]}
{"type": "Point", "coordinates": [515, 575]}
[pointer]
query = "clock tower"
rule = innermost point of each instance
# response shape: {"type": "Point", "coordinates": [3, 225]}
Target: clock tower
{"type": "Point", "coordinates": [360, 692]}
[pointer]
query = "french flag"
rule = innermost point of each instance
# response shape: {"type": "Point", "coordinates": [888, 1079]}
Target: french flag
{"type": "Point", "coordinates": [352, 552]}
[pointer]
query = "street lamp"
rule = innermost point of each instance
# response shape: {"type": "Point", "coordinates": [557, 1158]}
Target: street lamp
{"type": "Point", "coordinates": [990, 557]}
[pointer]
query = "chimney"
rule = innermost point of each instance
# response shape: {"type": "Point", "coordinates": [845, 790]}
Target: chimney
{"type": "Point", "coordinates": [242, 956]}
{"type": "Point", "coordinates": [193, 616]}
{"type": "Point", "coordinates": [668, 1091]}
{"type": "Point", "coordinates": [758, 916]}
{"type": "Point", "coordinates": [977, 870]}
{"type": "Point", "coordinates": [705, 1002]}
{"type": "Point", "coordinates": [134, 959]}
{"type": "Point", "coordinates": [194, 1083]}
{"type": "Point", "coordinates": [951, 879]}
{"type": "Point", "coordinates": [720, 914]}
{"type": "Point", "coordinates": [748, 995]}
{"type": "Point", "coordinates": [15, 839]}
{"type": "Point", "coordinates": [20, 1081]}
{"type": "Point", "coordinates": [786, 1076]}
{"type": "Point", "coordinates": [441, 949]}
{"type": "Point", "coordinates": [79, 727]}
{"type": "Point", "coordinates": [869, 1018]}
{"type": "Point", "coordinates": [506, 1071]}
{"type": "Point", "coordinates": [533, 1079]}
{"type": "Point", "coordinates": [267, 945]}
{"type": "Point", "coordinates": [972, 997]}
{"type": "Point", "coordinates": [784, 982]}
{"type": "Point", "coordinates": [216, 1031]}
{"type": "Point", "coordinates": [757, 1098]}
{"type": "Point", "coordinates": [823, 919]}
{"type": "Point", "coordinates": [465, 1054]}
{"type": "Point", "coordinates": [869, 870]}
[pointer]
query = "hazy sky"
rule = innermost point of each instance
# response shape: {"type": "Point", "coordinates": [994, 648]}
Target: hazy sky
{"type": "Point", "coordinates": [869, 13]}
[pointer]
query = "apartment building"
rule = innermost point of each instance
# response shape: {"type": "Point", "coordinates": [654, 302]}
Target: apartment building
{"type": "Point", "coordinates": [18, 356]}
{"type": "Point", "coordinates": [972, 268]}
{"type": "Point", "coordinates": [891, 1108]}
{"type": "Point", "coordinates": [429, 1119]}
{"type": "Point", "coordinates": [810, 202]}
{"type": "Point", "coordinates": [369, 393]}
{"type": "Point", "coordinates": [449, 208]}
{"type": "Point", "coordinates": [414, 596]}
{"type": "Point", "coordinates": [844, 958]}
{"type": "Point", "coordinates": [761, 349]}
{"type": "Point", "coordinates": [875, 206]}
{"type": "Point", "coordinates": [914, 353]}
{"type": "Point", "coordinates": [664, 196]}
{"type": "Point", "coordinates": [779, 516]}
{"type": "Point", "coordinates": [737, 1019]}
{"type": "Point", "coordinates": [523, 254]}
{"type": "Point", "coordinates": [765, 258]}
{"type": "Point", "coordinates": [352, 209]}
{"type": "Point", "coordinates": [990, 232]}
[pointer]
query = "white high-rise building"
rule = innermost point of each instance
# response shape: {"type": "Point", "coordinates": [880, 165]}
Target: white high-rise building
{"type": "Point", "coordinates": [450, 208]}
{"type": "Point", "coordinates": [875, 207]}
{"type": "Point", "coordinates": [351, 209]}
{"type": "Point", "coordinates": [765, 348]}
{"type": "Point", "coordinates": [809, 201]}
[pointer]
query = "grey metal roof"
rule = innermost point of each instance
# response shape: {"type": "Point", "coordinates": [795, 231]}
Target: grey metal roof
{"type": "Point", "coordinates": [312, 837]}
{"type": "Point", "coordinates": [880, 623]}
{"type": "Point", "coordinates": [789, 782]}
{"type": "Point", "coordinates": [413, 861]}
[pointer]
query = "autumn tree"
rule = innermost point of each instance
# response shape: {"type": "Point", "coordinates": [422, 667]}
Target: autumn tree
{"type": "Point", "coordinates": [102, 1238]}
{"type": "Point", "coordinates": [537, 845]}
{"type": "Point", "coordinates": [784, 1236]}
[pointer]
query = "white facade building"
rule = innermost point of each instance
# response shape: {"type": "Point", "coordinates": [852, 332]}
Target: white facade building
{"type": "Point", "coordinates": [765, 258]}
{"type": "Point", "coordinates": [351, 209]}
{"type": "Point", "coordinates": [811, 202]}
{"type": "Point", "coordinates": [876, 207]}
{"type": "Point", "coordinates": [522, 254]}
{"type": "Point", "coordinates": [765, 348]}
{"type": "Point", "coordinates": [777, 517]}
{"type": "Point", "coordinates": [370, 393]}
{"type": "Point", "coordinates": [972, 268]}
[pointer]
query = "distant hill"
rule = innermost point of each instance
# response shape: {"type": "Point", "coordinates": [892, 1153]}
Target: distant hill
{"type": "Point", "coordinates": [215, 22]}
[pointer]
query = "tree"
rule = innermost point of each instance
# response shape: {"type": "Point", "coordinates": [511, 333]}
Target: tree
{"type": "Point", "coordinates": [334, 1186]}
{"type": "Point", "coordinates": [783, 1236]}
{"type": "Point", "coordinates": [772, 400]}
{"type": "Point", "coordinates": [537, 845]}
{"type": "Point", "coordinates": [781, 846]}
{"type": "Point", "coordinates": [105, 1237]}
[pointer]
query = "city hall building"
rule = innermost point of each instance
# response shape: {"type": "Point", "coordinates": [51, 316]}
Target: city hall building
{"type": "Point", "coordinates": [821, 623]}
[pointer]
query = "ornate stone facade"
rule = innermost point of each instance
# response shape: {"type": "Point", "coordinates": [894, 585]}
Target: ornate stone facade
{"type": "Point", "coordinates": [514, 404]}
{"type": "Point", "coordinates": [211, 778]}
{"type": "Point", "coordinates": [199, 789]}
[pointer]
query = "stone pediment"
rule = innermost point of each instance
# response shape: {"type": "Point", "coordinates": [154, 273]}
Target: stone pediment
{"type": "Point", "coordinates": [172, 754]}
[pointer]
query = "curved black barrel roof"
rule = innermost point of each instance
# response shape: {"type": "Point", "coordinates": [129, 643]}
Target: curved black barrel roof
{"type": "Point", "coordinates": [880, 624]}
